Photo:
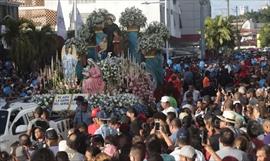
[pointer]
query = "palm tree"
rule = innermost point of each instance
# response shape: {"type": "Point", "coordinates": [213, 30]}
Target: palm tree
{"type": "Point", "coordinates": [219, 34]}
{"type": "Point", "coordinates": [29, 48]}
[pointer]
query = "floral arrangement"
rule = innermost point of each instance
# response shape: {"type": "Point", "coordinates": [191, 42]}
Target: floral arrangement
{"type": "Point", "coordinates": [110, 68]}
{"type": "Point", "coordinates": [153, 37]}
{"type": "Point", "coordinates": [97, 17]}
{"type": "Point", "coordinates": [132, 17]}
{"type": "Point", "coordinates": [150, 42]}
{"type": "Point", "coordinates": [80, 44]}
{"type": "Point", "coordinates": [158, 28]}
{"type": "Point", "coordinates": [111, 101]}
{"type": "Point", "coordinates": [86, 35]}
{"type": "Point", "coordinates": [70, 42]}
{"type": "Point", "coordinates": [44, 101]}
{"type": "Point", "coordinates": [144, 88]}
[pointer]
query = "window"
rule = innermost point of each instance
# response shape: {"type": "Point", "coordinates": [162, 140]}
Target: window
{"type": "Point", "coordinates": [3, 120]}
{"type": "Point", "coordinates": [19, 122]}
{"type": "Point", "coordinates": [174, 2]}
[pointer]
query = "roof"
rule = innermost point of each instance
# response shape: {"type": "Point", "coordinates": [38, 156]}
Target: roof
{"type": "Point", "coordinates": [40, 17]}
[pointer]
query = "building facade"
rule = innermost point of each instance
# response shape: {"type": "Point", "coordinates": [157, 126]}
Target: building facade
{"type": "Point", "coordinates": [191, 17]}
{"type": "Point", "coordinates": [153, 10]}
{"type": "Point", "coordinates": [9, 7]}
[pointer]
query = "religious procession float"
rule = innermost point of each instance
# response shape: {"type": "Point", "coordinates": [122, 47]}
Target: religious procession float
{"type": "Point", "coordinates": [112, 67]}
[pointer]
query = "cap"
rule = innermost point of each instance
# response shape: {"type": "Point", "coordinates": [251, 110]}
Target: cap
{"type": "Point", "coordinates": [51, 134]}
{"type": "Point", "coordinates": [79, 98]}
{"type": "Point", "coordinates": [110, 150]}
{"type": "Point", "coordinates": [94, 112]}
{"type": "Point", "coordinates": [187, 151]}
{"type": "Point", "coordinates": [165, 99]}
{"type": "Point", "coordinates": [228, 116]}
{"type": "Point", "coordinates": [182, 134]}
{"type": "Point", "coordinates": [188, 106]}
{"type": "Point", "coordinates": [102, 115]}
{"type": "Point", "coordinates": [182, 115]}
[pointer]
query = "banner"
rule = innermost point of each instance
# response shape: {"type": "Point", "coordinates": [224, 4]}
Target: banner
{"type": "Point", "coordinates": [66, 101]}
{"type": "Point", "coordinates": [60, 22]}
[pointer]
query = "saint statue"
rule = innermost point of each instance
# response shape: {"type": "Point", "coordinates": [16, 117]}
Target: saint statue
{"type": "Point", "coordinates": [93, 83]}
{"type": "Point", "coordinates": [69, 64]}
{"type": "Point", "coordinates": [109, 29]}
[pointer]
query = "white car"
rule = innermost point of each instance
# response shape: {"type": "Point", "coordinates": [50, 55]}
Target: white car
{"type": "Point", "coordinates": [14, 118]}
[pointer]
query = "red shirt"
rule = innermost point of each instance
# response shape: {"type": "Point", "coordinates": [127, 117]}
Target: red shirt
{"type": "Point", "coordinates": [92, 128]}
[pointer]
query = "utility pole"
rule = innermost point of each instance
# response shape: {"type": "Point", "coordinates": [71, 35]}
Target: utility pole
{"type": "Point", "coordinates": [228, 8]}
{"type": "Point", "coordinates": [202, 43]}
{"type": "Point", "coordinates": [166, 24]}
{"type": "Point", "coordinates": [237, 30]}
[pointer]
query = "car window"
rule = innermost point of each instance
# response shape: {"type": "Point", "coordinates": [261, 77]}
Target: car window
{"type": "Point", "coordinates": [20, 121]}
{"type": "Point", "coordinates": [13, 115]}
{"type": "Point", "coordinates": [3, 120]}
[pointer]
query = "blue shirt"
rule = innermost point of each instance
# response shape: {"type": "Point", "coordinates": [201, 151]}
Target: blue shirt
{"type": "Point", "coordinates": [82, 117]}
{"type": "Point", "coordinates": [105, 130]}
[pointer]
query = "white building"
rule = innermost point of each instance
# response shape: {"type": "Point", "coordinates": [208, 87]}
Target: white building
{"type": "Point", "coordinates": [154, 10]}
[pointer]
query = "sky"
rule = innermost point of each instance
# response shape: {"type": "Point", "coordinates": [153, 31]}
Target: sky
{"type": "Point", "coordinates": [219, 7]}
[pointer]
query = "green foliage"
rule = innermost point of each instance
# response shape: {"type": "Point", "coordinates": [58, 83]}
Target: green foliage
{"type": "Point", "coordinates": [29, 48]}
{"type": "Point", "coordinates": [262, 16]}
{"type": "Point", "coordinates": [219, 34]}
{"type": "Point", "coordinates": [265, 35]}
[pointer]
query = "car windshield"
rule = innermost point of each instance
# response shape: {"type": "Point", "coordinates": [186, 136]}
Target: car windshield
{"type": "Point", "coordinates": [3, 120]}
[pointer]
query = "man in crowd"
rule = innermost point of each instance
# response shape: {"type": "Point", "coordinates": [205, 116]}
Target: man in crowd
{"type": "Point", "coordinates": [37, 121]}
{"type": "Point", "coordinates": [226, 140]}
{"type": "Point", "coordinates": [165, 104]}
{"type": "Point", "coordinates": [104, 129]}
{"type": "Point", "coordinates": [135, 124]}
{"type": "Point", "coordinates": [82, 115]}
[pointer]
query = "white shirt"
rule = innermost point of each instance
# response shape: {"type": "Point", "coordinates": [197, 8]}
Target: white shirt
{"type": "Point", "coordinates": [176, 154]}
{"type": "Point", "coordinates": [229, 151]}
{"type": "Point", "coordinates": [170, 109]}
{"type": "Point", "coordinates": [195, 95]}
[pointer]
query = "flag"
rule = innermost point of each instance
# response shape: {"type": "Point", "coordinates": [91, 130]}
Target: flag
{"type": "Point", "coordinates": [61, 28]}
{"type": "Point", "coordinates": [79, 21]}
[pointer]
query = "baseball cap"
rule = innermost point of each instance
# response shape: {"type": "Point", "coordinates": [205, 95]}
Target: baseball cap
{"type": "Point", "coordinates": [187, 151]}
{"type": "Point", "coordinates": [102, 115]}
{"type": "Point", "coordinates": [165, 99]}
{"type": "Point", "coordinates": [94, 112]}
{"type": "Point", "coordinates": [182, 134]}
{"type": "Point", "coordinates": [79, 98]}
{"type": "Point", "coordinates": [51, 134]}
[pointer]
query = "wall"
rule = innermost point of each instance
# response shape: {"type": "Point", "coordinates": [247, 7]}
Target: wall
{"type": "Point", "coordinates": [190, 16]}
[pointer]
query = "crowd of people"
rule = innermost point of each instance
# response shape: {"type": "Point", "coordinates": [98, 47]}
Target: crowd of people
{"type": "Point", "coordinates": [209, 111]}
{"type": "Point", "coordinates": [13, 86]}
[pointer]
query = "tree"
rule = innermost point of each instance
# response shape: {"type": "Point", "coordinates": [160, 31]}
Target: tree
{"type": "Point", "coordinates": [219, 35]}
{"type": "Point", "coordinates": [265, 35]}
{"type": "Point", "coordinates": [29, 48]}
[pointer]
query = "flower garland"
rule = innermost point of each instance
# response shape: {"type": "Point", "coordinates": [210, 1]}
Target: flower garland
{"type": "Point", "coordinates": [44, 101]}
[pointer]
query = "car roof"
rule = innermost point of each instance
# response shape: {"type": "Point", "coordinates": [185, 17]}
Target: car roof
{"type": "Point", "coordinates": [22, 103]}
